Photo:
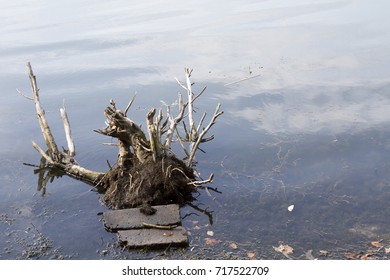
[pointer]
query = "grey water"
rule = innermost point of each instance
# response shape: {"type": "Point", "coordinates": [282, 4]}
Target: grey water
{"type": "Point", "coordinates": [305, 90]}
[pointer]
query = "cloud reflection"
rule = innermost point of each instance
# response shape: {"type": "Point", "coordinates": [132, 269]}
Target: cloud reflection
{"type": "Point", "coordinates": [317, 109]}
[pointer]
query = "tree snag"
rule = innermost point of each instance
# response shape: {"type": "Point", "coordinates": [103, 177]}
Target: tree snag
{"type": "Point", "coordinates": [147, 172]}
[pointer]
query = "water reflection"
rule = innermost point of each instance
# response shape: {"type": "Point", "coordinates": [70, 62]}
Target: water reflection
{"type": "Point", "coordinates": [311, 129]}
{"type": "Point", "coordinates": [310, 109]}
{"type": "Point", "coordinates": [65, 48]}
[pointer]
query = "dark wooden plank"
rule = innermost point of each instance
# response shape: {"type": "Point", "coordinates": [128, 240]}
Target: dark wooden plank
{"type": "Point", "coordinates": [133, 219]}
{"type": "Point", "coordinates": [136, 238]}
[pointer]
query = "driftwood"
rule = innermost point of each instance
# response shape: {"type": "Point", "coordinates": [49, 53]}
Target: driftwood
{"type": "Point", "coordinates": [147, 172]}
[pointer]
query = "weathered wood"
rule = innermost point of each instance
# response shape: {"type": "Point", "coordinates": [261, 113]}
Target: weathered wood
{"type": "Point", "coordinates": [68, 132]}
{"type": "Point", "coordinates": [195, 135]}
{"type": "Point", "coordinates": [136, 238]}
{"type": "Point", "coordinates": [133, 219]}
{"type": "Point", "coordinates": [123, 128]}
{"type": "Point", "coordinates": [147, 172]}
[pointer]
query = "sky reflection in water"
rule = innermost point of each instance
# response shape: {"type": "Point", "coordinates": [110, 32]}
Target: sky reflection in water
{"type": "Point", "coordinates": [313, 115]}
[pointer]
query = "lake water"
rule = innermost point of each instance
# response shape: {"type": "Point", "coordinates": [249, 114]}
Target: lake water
{"type": "Point", "coordinates": [305, 87]}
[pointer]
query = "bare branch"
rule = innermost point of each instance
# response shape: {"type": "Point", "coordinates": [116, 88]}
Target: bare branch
{"type": "Point", "coordinates": [43, 154]}
{"type": "Point", "coordinates": [157, 127]}
{"type": "Point", "coordinates": [194, 147]}
{"type": "Point", "coordinates": [174, 121]}
{"type": "Point", "coordinates": [182, 144]}
{"type": "Point", "coordinates": [61, 161]}
{"type": "Point", "coordinates": [180, 84]}
{"type": "Point", "coordinates": [196, 97]}
{"type": "Point", "coordinates": [130, 103]}
{"type": "Point", "coordinates": [25, 96]}
{"type": "Point", "coordinates": [46, 132]}
{"type": "Point", "coordinates": [152, 133]}
{"type": "Point", "coordinates": [202, 182]}
{"type": "Point", "coordinates": [201, 122]}
{"type": "Point", "coordinates": [193, 133]}
{"type": "Point", "coordinates": [68, 132]}
{"type": "Point", "coordinates": [179, 170]}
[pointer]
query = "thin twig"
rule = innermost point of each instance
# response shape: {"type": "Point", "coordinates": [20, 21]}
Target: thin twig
{"type": "Point", "coordinates": [158, 226]}
{"type": "Point", "coordinates": [182, 144]}
{"type": "Point", "coordinates": [201, 122]}
{"type": "Point", "coordinates": [202, 182]}
{"type": "Point", "coordinates": [209, 214]}
{"type": "Point", "coordinates": [194, 147]}
{"type": "Point", "coordinates": [25, 96]}
{"type": "Point", "coordinates": [130, 103]}
{"type": "Point", "coordinates": [174, 121]}
{"type": "Point", "coordinates": [241, 80]}
{"type": "Point", "coordinates": [180, 84]}
{"type": "Point", "coordinates": [36, 147]}
{"type": "Point", "coordinates": [199, 94]}
{"type": "Point", "coordinates": [181, 171]}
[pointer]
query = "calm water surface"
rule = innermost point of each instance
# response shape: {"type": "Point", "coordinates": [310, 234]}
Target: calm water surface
{"type": "Point", "coordinates": [310, 128]}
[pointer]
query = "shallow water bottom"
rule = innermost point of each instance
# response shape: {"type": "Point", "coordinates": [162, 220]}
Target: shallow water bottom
{"type": "Point", "coordinates": [339, 191]}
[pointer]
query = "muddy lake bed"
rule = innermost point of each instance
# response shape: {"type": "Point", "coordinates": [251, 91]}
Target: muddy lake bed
{"type": "Point", "coordinates": [301, 155]}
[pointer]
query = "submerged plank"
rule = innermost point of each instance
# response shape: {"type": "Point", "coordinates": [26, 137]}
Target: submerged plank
{"type": "Point", "coordinates": [133, 219]}
{"type": "Point", "coordinates": [153, 237]}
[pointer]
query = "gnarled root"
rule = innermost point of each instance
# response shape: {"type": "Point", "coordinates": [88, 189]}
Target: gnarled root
{"type": "Point", "coordinates": [149, 183]}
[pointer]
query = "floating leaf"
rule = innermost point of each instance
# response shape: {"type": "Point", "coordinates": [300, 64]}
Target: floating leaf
{"type": "Point", "coordinates": [284, 249]}
{"type": "Point", "coordinates": [210, 233]}
{"type": "Point", "coordinates": [366, 257]}
{"type": "Point", "coordinates": [309, 255]}
{"type": "Point", "coordinates": [233, 246]}
{"type": "Point", "coordinates": [377, 244]}
{"type": "Point", "coordinates": [196, 227]}
{"type": "Point", "coordinates": [352, 256]}
{"type": "Point", "coordinates": [251, 255]}
{"type": "Point", "coordinates": [324, 253]}
{"type": "Point", "coordinates": [211, 241]}
{"type": "Point", "coordinates": [291, 207]}
{"type": "Point", "coordinates": [387, 250]}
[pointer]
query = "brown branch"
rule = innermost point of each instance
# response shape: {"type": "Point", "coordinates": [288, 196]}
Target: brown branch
{"type": "Point", "coordinates": [158, 226]}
